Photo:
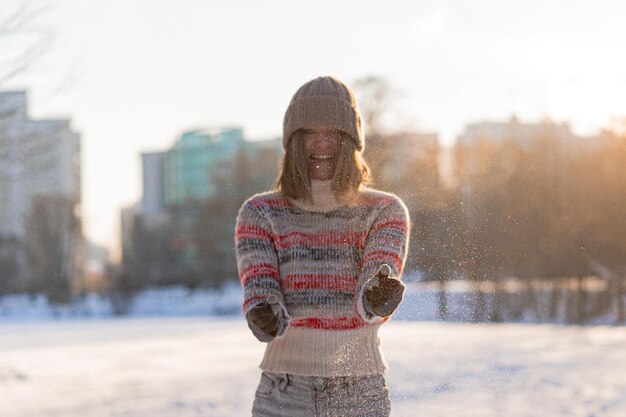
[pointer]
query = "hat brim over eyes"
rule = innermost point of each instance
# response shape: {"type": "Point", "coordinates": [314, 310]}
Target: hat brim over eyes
{"type": "Point", "coordinates": [327, 111]}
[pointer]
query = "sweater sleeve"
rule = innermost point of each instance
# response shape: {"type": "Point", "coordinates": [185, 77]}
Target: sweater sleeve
{"type": "Point", "coordinates": [387, 243]}
{"type": "Point", "coordinates": [257, 263]}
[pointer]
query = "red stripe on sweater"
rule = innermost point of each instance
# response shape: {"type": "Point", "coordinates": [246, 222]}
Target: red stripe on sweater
{"type": "Point", "coordinates": [384, 256]}
{"type": "Point", "coordinates": [251, 231]}
{"type": "Point", "coordinates": [250, 300]}
{"type": "Point", "coordinates": [280, 202]}
{"type": "Point", "coordinates": [332, 238]}
{"type": "Point", "coordinates": [398, 224]}
{"type": "Point", "coordinates": [389, 242]}
{"type": "Point", "coordinates": [272, 202]}
{"type": "Point", "coordinates": [331, 323]}
{"type": "Point", "coordinates": [256, 270]}
{"type": "Point", "coordinates": [319, 281]}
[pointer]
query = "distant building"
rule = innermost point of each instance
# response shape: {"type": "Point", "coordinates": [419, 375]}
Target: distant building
{"type": "Point", "coordinates": [401, 160]}
{"type": "Point", "coordinates": [408, 147]}
{"type": "Point", "coordinates": [178, 182]}
{"type": "Point", "coordinates": [554, 144]}
{"type": "Point", "coordinates": [522, 134]}
{"type": "Point", "coordinates": [39, 176]}
{"type": "Point", "coordinates": [196, 159]}
{"type": "Point", "coordinates": [555, 140]}
{"type": "Point", "coordinates": [127, 225]}
{"type": "Point", "coordinates": [153, 199]}
{"type": "Point", "coordinates": [188, 171]}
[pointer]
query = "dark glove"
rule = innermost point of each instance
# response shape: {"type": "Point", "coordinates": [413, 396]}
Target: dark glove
{"type": "Point", "coordinates": [383, 294]}
{"type": "Point", "coordinates": [264, 318]}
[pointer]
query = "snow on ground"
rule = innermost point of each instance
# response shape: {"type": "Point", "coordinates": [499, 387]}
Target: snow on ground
{"type": "Point", "coordinates": [184, 353]}
{"type": "Point", "coordinates": [169, 301]}
{"type": "Point", "coordinates": [195, 366]}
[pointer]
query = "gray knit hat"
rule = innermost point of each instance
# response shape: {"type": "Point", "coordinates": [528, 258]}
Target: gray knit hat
{"type": "Point", "coordinates": [324, 101]}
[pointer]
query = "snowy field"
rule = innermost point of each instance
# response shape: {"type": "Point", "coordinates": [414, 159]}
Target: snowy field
{"type": "Point", "coordinates": [207, 366]}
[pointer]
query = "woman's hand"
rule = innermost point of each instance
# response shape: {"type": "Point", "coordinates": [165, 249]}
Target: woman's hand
{"type": "Point", "coordinates": [383, 294]}
{"type": "Point", "coordinates": [264, 318]}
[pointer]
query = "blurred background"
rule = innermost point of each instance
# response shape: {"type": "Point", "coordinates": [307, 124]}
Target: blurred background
{"type": "Point", "coordinates": [131, 132]}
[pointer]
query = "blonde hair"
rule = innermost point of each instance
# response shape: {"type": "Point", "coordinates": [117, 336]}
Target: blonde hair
{"type": "Point", "coordinates": [351, 170]}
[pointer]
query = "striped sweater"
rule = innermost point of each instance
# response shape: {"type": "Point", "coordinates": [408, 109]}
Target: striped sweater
{"type": "Point", "coordinates": [315, 258]}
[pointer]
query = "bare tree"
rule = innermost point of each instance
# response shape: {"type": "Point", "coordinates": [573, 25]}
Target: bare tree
{"type": "Point", "coordinates": [22, 43]}
{"type": "Point", "coordinates": [23, 39]}
{"type": "Point", "coordinates": [375, 97]}
{"type": "Point", "coordinates": [41, 245]}
{"type": "Point", "coordinates": [8, 264]}
{"type": "Point", "coordinates": [52, 231]}
{"type": "Point", "coordinates": [248, 173]}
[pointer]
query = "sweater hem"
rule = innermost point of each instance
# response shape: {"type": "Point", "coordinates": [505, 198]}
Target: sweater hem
{"type": "Point", "coordinates": [312, 352]}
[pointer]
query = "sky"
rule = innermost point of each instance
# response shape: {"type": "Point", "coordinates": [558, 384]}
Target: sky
{"type": "Point", "coordinates": [134, 74]}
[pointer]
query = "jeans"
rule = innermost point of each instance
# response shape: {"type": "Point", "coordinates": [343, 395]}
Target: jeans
{"type": "Point", "coordinates": [285, 395]}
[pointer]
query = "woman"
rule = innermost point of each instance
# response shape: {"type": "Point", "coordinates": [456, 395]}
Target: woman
{"type": "Point", "coordinates": [309, 254]}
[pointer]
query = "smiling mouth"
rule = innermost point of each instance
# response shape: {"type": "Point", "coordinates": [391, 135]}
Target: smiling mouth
{"type": "Point", "coordinates": [322, 157]}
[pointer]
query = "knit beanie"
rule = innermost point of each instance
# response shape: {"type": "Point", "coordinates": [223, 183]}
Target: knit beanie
{"type": "Point", "coordinates": [324, 101]}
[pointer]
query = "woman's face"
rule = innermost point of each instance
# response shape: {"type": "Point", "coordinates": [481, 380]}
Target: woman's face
{"type": "Point", "coordinates": [321, 147]}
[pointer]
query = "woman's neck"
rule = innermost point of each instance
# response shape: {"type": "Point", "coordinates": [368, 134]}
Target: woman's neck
{"type": "Point", "coordinates": [322, 193]}
{"type": "Point", "coordinates": [323, 198]}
